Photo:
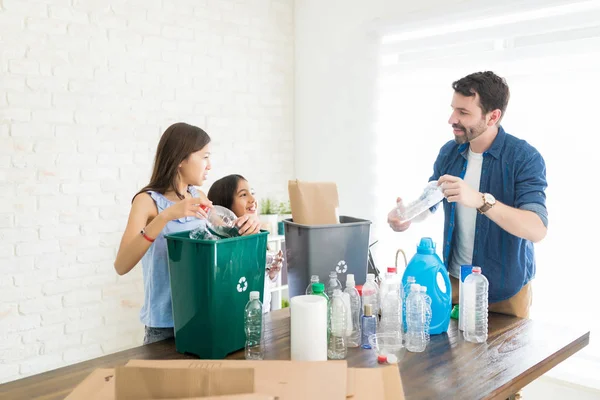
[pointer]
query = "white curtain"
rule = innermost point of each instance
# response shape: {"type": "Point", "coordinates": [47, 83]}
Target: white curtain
{"type": "Point", "coordinates": [551, 60]}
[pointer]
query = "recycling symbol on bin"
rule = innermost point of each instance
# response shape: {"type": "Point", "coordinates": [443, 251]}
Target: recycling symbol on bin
{"type": "Point", "coordinates": [242, 284]}
{"type": "Point", "coordinates": [341, 267]}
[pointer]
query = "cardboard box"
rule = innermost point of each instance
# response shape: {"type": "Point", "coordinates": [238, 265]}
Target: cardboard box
{"type": "Point", "coordinates": [227, 379]}
{"type": "Point", "coordinates": [314, 203]}
{"type": "Point", "coordinates": [287, 380]}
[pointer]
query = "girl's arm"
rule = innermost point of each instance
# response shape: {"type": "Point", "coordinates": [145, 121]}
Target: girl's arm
{"type": "Point", "coordinates": [133, 245]}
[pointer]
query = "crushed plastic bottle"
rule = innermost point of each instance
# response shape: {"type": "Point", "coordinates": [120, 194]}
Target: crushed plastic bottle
{"type": "Point", "coordinates": [432, 195]}
{"type": "Point", "coordinates": [219, 224]}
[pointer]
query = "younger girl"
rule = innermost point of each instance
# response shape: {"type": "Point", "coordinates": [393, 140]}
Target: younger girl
{"type": "Point", "coordinates": [234, 193]}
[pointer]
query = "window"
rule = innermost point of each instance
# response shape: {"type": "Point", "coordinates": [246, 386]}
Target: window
{"type": "Point", "coordinates": [550, 57]}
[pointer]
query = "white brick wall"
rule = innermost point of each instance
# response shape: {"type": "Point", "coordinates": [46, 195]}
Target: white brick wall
{"type": "Point", "coordinates": [86, 89]}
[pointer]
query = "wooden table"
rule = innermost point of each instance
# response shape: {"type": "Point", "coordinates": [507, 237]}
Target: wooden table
{"type": "Point", "coordinates": [517, 352]}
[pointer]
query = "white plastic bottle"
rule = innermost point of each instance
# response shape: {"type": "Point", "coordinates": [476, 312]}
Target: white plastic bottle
{"type": "Point", "coordinates": [428, 312]}
{"type": "Point", "coordinates": [370, 294]}
{"type": "Point", "coordinates": [432, 194]}
{"type": "Point", "coordinates": [391, 309]}
{"type": "Point", "coordinates": [253, 324]}
{"type": "Point", "coordinates": [416, 307]}
{"type": "Point", "coordinates": [354, 337]}
{"type": "Point", "coordinates": [333, 283]}
{"type": "Point", "coordinates": [475, 300]}
{"type": "Point", "coordinates": [410, 280]}
{"type": "Point", "coordinates": [313, 279]}
{"type": "Point", "coordinates": [336, 347]}
{"type": "Point", "coordinates": [394, 283]}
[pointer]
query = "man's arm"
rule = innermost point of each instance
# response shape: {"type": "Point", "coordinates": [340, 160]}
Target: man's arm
{"type": "Point", "coordinates": [522, 223]}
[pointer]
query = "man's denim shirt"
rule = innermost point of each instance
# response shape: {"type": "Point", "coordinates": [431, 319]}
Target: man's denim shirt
{"type": "Point", "coordinates": [514, 172]}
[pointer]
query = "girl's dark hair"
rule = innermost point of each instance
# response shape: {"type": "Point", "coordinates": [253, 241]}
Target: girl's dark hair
{"type": "Point", "coordinates": [176, 144]}
{"type": "Point", "coordinates": [222, 192]}
{"type": "Point", "coordinates": [492, 89]}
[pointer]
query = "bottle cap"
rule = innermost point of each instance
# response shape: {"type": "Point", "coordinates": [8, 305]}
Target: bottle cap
{"type": "Point", "coordinates": [392, 270]}
{"type": "Point", "coordinates": [368, 310]}
{"type": "Point", "coordinates": [426, 246]}
{"type": "Point", "coordinates": [318, 288]}
{"type": "Point", "coordinates": [350, 280]}
{"type": "Point", "coordinates": [314, 278]}
{"type": "Point", "coordinates": [359, 288]}
{"type": "Point", "coordinates": [254, 295]}
{"type": "Point", "coordinates": [415, 287]}
{"type": "Point", "coordinates": [370, 277]}
{"type": "Point", "coordinates": [333, 274]}
{"type": "Point", "coordinates": [392, 359]}
{"type": "Point", "coordinates": [382, 359]}
{"type": "Point", "coordinates": [476, 270]}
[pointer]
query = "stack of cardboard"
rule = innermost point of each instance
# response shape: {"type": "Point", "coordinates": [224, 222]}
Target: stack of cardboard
{"type": "Point", "coordinates": [240, 380]}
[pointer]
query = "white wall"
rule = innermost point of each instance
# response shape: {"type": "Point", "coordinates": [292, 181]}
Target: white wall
{"type": "Point", "coordinates": [86, 89]}
{"type": "Point", "coordinates": [335, 99]}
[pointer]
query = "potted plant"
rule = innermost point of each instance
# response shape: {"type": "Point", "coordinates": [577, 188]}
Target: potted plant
{"type": "Point", "coordinates": [269, 214]}
{"type": "Point", "coordinates": [285, 212]}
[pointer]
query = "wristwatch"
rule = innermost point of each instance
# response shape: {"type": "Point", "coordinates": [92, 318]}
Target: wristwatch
{"type": "Point", "coordinates": [488, 202]}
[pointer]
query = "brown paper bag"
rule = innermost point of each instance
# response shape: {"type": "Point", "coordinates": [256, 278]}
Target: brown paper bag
{"type": "Point", "coordinates": [314, 203]}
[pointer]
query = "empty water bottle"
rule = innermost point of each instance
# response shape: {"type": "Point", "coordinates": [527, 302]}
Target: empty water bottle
{"type": "Point", "coordinates": [432, 194]}
{"type": "Point", "coordinates": [391, 309]}
{"type": "Point", "coordinates": [428, 312]}
{"type": "Point", "coordinates": [416, 314]}
{"type": "Point", "coordinates": [355, 308]}
{"type": "Point", "coordinates": [475, 301]}
{"type": "Point", "coordinates": [336, 348]}
{"type": "Point", "coordinates": [220, 222]}
{"type": "Point", "coordinates": [334, 283]}
{"type": "Point", "coordinates": [394, 281]}
{"type": "Point", "coordinates": [313, 279]}
{"type": "Point", "coordinates": [253, 323]}
{"type": "Point", "coordinates": [370, 294]}
{"type": "Point", "coordinates": [405, 292]}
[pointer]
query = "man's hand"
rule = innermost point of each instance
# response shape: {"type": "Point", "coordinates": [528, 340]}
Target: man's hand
{"type": "Point", "coordinates": [394, 219]}
{"type": "Point", "coordinates": [458, 191]}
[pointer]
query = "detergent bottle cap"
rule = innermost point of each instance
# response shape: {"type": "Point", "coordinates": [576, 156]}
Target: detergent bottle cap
{"type": "Point", "coordinates": [426, 246]}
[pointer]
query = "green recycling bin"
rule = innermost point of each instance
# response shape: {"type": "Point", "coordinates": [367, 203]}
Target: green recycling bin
{"type": "Point", "coordinates": [211, 283]}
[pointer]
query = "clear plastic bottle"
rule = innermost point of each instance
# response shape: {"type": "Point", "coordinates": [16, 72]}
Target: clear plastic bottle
{"type": "Point", "coordinates": [334, 283]}
{"type": "Point", "coordinates": [370, 294]}
{"type": "Point", "coordinates": [220, 223]}
{"type": "Point", "coordinates": [432, 194]}
{"type": "Point", "coordinates": [410, 280]}
{"type": "Point", "coordinates": [313, 279]}
{"type": "Point", "coordinates": [336, 347]}
{"type": "Point", "coordinates": [253, 323]}
{"type": "Point", "coordinates": [368, 325]}
{"type": "Point", "coordinates": [475, 301]}
{"type": "Point", "coordinates": [355, 308]}
{"type": "Point", "coordinates": [428, 312]}
{"type": "Point", "coordinates": [391, 309]}
{"type": "Point", "coordinates": [391, 278]}
{"type": "Point", "coordinates": [416, 306]}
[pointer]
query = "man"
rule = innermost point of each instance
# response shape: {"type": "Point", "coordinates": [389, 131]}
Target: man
{"type": "Point", "coordinates": [495, 205]}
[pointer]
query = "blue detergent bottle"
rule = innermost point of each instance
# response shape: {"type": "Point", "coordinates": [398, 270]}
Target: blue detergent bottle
{"type": "Point", "coordinates": [429, 270]}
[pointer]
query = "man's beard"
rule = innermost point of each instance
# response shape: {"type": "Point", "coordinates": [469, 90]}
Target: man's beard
{"type": "Point", "coordinates": [470, 133]}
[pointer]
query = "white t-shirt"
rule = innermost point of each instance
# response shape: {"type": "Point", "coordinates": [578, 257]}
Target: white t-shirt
{"type": "Point", "coordinates": [466, 218]}
{"type": "Point", "coordinates": [269, 285]}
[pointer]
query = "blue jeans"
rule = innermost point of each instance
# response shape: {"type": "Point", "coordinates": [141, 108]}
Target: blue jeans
{"type": "Point", "coordinates": [152, 335]}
